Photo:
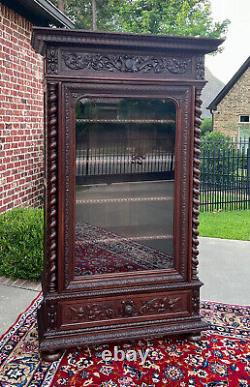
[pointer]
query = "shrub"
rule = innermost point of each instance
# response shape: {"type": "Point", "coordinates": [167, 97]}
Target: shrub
{"type": "Point", "coordinates": [21, 243]}
{"type": "Point", "coordinates": [206, 126]}
{"type": "Point", "coordinates": [217, 140]}
{"type": "Point", "coordinates": [218, 159]}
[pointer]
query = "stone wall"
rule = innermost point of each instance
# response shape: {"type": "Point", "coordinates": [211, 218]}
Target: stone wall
{"type": "Point", "coordinates": [234, 104]}
{"type": "Point", "coordinates": [21, 114]}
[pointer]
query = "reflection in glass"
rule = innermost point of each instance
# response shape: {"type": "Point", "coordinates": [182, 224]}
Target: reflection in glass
{"type": "Point", "coordinates": [124, 185]}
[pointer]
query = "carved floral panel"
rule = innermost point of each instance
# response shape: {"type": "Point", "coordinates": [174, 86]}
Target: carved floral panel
{"type": "Point", "coordinates": [129, 307]}
{"type": "Point", "coordinates": [123, 63]}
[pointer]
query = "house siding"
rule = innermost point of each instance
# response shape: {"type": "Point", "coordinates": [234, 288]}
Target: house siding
{"type": "Point", "coordinates": [235, 103]}
{"type": "Point", "coordinates": [21, 114]}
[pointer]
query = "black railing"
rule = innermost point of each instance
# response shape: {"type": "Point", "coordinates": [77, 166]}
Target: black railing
{"type": "Point", "coordinates": [225, 170]}
{"type": "Point", "coordinates": [225, 175]}
{"type": "Point", "coordinates": [114, 164]}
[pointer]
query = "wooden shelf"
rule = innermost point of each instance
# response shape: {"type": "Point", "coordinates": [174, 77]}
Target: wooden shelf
{"type": "Point", "coordinates": [134, 238]}
{"type": "Point", "coordinates": [102, 121]}
{"type": "Point", "coordinates": [125, 200]}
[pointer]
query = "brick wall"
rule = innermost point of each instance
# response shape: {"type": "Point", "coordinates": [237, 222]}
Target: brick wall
{"type": "Point", "coordinates": [21, 114]}
{"type": "Point", "coordinates": [234, 104]}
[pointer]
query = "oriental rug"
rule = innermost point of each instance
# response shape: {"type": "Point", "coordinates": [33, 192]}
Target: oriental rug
{"type": "Point", "coordinates": [220, 358]}
{"type": "Point", "coordinates": [99, 251]}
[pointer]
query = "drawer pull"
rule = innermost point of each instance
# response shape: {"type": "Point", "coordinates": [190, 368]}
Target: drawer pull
{"type": "Point", "coordinates": [128, 308]}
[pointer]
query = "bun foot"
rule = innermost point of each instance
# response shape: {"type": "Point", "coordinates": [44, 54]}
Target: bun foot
{"type": "Point", "coordinates": [51, 356]}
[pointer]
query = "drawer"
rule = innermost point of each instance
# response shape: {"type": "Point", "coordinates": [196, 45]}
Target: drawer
{"type": "Point", "coordinates": [121, 309]}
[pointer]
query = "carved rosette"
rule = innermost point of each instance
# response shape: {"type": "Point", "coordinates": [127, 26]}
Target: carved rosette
{"type": "Point", "coordinates": [52, 60]}
{"type": "Point", "coordinates": [196, 184]}
{"type": "Point", "coordinates": [51, 240]}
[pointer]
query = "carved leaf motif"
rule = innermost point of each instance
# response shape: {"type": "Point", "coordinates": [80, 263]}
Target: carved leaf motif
{"type": "Point", "coordinates": [200, 67]}
{"type": "Point", "coordinates": [176, 66]}
{"type": "Point", "coordinates": [196, 301]}
{"type": "Point", "coordinates": [159, 305]}
{"type": "Point", "coordinates": [52, 314]}
{"type": "Point", "coordinates": [92, 312]}
{"type": "Point", "coordinates": [125, 63]}
{"type": "Point", "coordinates": [78, 312]}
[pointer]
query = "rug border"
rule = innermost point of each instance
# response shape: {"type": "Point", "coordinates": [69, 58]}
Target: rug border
{"type": "Point", "coordinates": [225, 303]}
{"type": "Point", "coordinates": [52, 368]}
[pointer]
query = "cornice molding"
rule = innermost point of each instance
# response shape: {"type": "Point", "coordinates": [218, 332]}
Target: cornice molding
{"type": "Point", "coordinates": [117, 41]}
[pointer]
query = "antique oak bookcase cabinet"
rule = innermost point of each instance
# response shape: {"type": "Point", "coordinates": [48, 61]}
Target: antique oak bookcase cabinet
{"type": "Point", "coordinates": [122, 186]}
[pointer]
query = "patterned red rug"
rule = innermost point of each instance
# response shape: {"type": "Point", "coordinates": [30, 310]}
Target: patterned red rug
{"type": "Point", "coordinates": [99, 251]}
{"type": "Point", "coordinates": [219, 359]}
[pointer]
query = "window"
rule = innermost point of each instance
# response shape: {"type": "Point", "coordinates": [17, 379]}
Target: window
{"type": "Point", "coordinates": [245, 118]}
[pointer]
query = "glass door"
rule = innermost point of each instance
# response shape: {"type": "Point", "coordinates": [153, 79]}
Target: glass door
{"type": "Point", "coordinates": [125, 174]}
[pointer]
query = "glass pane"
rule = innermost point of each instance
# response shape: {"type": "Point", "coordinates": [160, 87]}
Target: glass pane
{"type": "Point", "coordinates": [124, 185]}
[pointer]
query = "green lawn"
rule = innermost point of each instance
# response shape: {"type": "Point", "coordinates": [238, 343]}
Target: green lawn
{"type": "Point", "coordinates": [226, 224]}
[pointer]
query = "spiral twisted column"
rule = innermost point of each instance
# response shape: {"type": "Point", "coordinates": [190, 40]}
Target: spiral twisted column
{"type": "Point", "coordinates": [196, 184]}
{"type": "Point", "coordinates": [51, 240]}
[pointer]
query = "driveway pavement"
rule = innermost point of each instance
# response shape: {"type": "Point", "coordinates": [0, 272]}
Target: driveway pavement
{"type": "Point", "coordinates": [224, 269]}
{"type": "Point", "coordinates": [13, 301]}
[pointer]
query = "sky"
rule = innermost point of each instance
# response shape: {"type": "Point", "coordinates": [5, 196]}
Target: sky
{"type": "Point", "coordinates": [237, 45]}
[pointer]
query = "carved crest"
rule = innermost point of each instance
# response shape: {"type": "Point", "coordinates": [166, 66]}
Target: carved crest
{"type": "Point", "coordinates": [125, 63]}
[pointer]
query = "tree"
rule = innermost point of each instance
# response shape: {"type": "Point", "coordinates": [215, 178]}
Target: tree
{"type": "Point", "coordinates": [172, 17]}
{"type": "Point", "coordinates": [61, 5]}
{"type": "Point", "coordinates": [89, 14]}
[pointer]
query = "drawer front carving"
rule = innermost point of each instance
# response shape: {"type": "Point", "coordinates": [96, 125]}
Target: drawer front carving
{"type": "Point", "coordinates": [129, 307]}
